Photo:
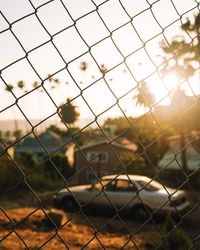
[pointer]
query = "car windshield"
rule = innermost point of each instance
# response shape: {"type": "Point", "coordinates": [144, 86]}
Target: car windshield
{"type": "Point", "coordinates": [116, 185]}
{"type": "Point", "coordinates": [125, 186]}
{"type": "Point", "coordinates": [106, 184]}
{"type": "Point", "coordinates": [150, 185]}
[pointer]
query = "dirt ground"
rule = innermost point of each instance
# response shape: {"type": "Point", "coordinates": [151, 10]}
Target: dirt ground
{"type": "Point", "coordinates": [29, 228]}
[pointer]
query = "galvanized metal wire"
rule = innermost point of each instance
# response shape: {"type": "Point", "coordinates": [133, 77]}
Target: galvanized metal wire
{"type": "Point", "coordinates": [97, 5]}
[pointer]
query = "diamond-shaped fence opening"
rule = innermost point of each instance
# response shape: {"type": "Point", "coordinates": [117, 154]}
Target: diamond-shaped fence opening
{"type": "Point", "coordinates": [99, 124]}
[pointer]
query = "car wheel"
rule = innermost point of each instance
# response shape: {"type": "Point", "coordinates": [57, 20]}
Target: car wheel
{"type": "Point", "coordinates": [70, 205]}
{"type": "Point", "coordinates": [141, 212]}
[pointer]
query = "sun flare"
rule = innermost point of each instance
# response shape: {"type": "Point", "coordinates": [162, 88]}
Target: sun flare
{"type": "Point", "coordinates": [171, 82]}
{"type": "Point", "coordinates": [161, 88]}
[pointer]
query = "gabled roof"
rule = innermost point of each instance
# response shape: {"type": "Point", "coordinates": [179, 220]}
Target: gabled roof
{"type": "Point", "coordinates": [191, 140]}
{"type": "Point", "coordinates": [49, 139]}
{"type": "Point", "coordinates": [133, 147]}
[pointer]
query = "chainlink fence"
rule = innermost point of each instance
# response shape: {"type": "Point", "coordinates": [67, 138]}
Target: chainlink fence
{"type": "Point", "coordinates": [132, 67]}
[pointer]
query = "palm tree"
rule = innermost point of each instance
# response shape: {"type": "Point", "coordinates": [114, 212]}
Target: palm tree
{"type": "Point", "coordinates": [53, 81]}
{"type": "Point", "coordinates": [69, 112]}
{"type": "Point", "coordinates": [17, 134]}
{"type": "Point", "coordinates": [194, 27]}
{"type": "Point", "coordinates": [9, 87]}
{"type": "Point", "coordinates": [183, 53]}
{"type": "Point", "coordinates": [179, 65]}
{"type": "Point", "coordinates": [103, 69]}
{"type": "Point", "coordinates": [21, 84]}
{"type": "Point", "coordinates": [83, 66]}
{"type": "Point", "coordinates": [7, 135]}
{"type": "Point", "coordinates": [180, 102]}
{"type": "Point", "coordinates": [144, 97]}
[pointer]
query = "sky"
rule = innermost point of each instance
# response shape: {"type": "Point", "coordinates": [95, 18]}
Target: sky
{"type": "Point", "coordinates": [39, 37]}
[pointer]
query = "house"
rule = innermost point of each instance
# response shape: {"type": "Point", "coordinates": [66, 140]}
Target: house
{"type": "Point", "coordinates": [40, 146]}
{"type": "Point", "coordinates": [100, 158]}
{"type": "Point", "coordinates": [172, 158]}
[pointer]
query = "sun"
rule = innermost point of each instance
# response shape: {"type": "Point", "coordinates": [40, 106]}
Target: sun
{"type": "Point", "coordinates": [171, 82]}
{"type": "Point", "coordinates": [161, 88]}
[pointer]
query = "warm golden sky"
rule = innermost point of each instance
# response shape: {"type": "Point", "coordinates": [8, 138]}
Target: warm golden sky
{"type": "Point", "coordinates": [131, 46]}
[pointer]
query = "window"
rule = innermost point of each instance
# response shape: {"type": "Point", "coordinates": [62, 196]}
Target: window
{"type": "Point", "coordinates": [125, 186]}
{"type": "Point", "coordinates": [150, 186]}
{"type": "Point", "coordinates": [91, 178]}
{"type": "Point", "coordinates": [107, 185]}
{"type": "Point", "coordinates": [92, 156]}
{"type": "Point", "coordinates": [97, 157]}
{"type": "Point", "coordinates": [103, 157]}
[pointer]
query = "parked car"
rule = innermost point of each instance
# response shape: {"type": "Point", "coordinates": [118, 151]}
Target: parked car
{"type": "Point", "coordinates": [139, 194]}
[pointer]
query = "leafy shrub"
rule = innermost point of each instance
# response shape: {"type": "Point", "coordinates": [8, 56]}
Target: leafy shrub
{"type": "Point", "coordinates": [10, 176]}
{"type": "Point", "coordinates": [57, 163]}
{"type": "Point", "coordinates": [176, 238]}
{"type": "Point", "coordinates": [42, 183]}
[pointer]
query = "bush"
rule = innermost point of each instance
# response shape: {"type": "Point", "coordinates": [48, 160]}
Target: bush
{"type": "Point", "coordinates": [39, 176]}
{"type": "Point", "coordinates": [10, 176]}
{"type": "Point", "coordinates": [59, 161]}
{"type": "Point", "coordinates": [137, 165]}
{"type": "Point", "coordinates": [42, 183]}
{"type": "Point", "coordinates": [174, 178]}
{"type": "Point", "coordinates": [176, 238]}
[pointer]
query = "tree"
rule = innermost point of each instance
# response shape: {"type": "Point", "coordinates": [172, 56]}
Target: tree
{"type": "Point", "coordinates": [69, 112]}
{"type": "Point", "coordinates": [21, 84]}
{"type": "Point", "coordinates": [182, 55]}
{"type": "Point", "coordinates": [60, 161]}
{"type": "Point", "coordinates": [17, 134]}
{"type": "Point", "coordinates": [7, 135]}
{"type": "Point", "coordinates": [83, 66]}
{"type": "Point", "coordinates": [179, 64]}
{"type": "Point", "coordinates": [179, 102]}
{"type": "Point", "coordinates": [194, 27]}
{"type": "Point", "coordinates": [144, 98]}
{"type": "Point", "coordinates": [9, 87]}
{"type": "Point", "coordinates": [176, 238]}
{"type": "Point", "coordinates": [54, 82]}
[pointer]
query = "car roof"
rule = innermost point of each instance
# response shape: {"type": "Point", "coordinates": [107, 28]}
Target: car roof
{"type": "Point", "coordinates": [126, 177]}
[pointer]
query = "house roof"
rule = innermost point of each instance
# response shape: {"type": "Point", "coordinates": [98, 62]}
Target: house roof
{"type": "Point", "coordinates": [193, 134]}
{"type": "Point", "coordinates": [173, 156]}
{"type": "Point", "coordinates": [173, 137]}
{"type": "Point", "coordinates": [49, 139]}
{"type": "Point", "coordinates": [192, 139]}
{"type": "Point", "coordinates": [132, 147]}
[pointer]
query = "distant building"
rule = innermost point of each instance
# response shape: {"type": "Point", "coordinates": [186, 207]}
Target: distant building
{"type": "Point", "coordinates": [101, 158]}
{"type": "Point", "coordinates": [39, 146]}
{"type": "Point", "coordinates": [172, 158]}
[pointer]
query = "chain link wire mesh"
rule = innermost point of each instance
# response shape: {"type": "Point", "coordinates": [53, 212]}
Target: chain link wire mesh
{"type": "Point", "coordinates": [54, 44]}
